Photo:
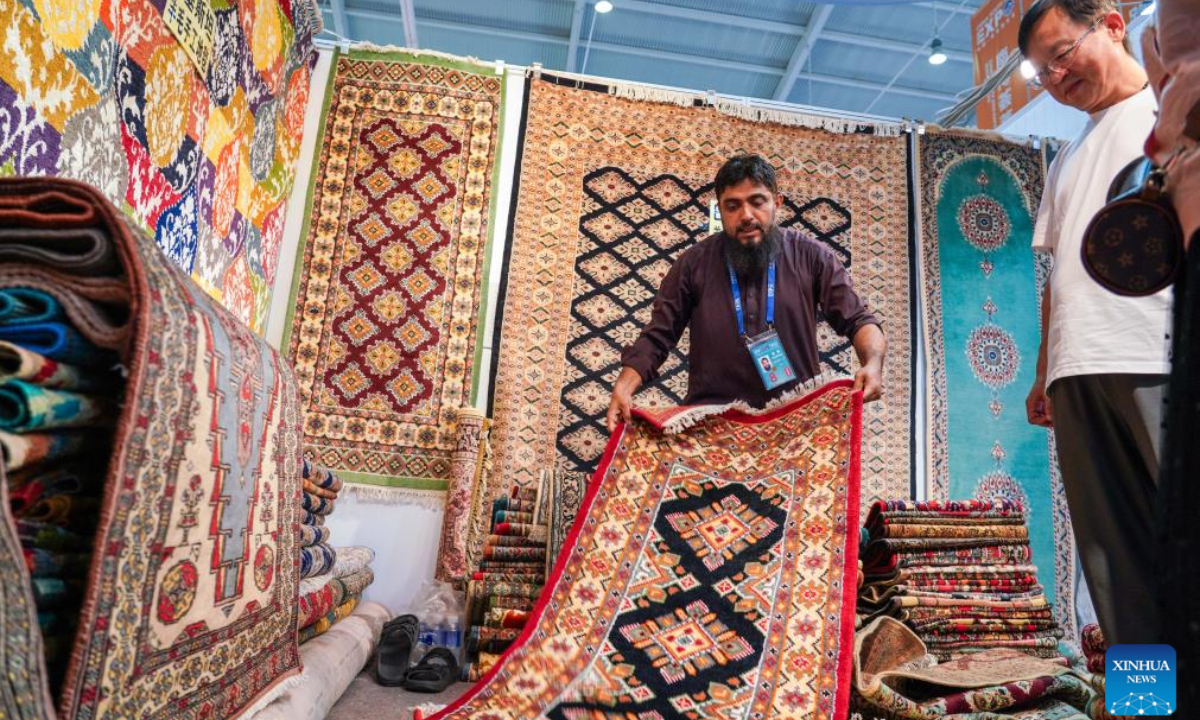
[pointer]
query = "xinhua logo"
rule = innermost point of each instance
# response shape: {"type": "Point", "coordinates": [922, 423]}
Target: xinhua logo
{"type": "Point", "coordinates": [1140, 680]}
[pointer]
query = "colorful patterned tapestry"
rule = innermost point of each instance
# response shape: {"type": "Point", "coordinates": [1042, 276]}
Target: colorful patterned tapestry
{"type": "Point", "coordinates": [201, 157]}
{"type": "Point", "coordinates": [611, 191]}
{"type": "Point", "coordinates": [190, 607]}
{"type": "Point", "coordinates": [980, 302]}
{"type": "Point", "coordinates": [385, 329]}
{"type": "Point", "coordinates": [714, 576]}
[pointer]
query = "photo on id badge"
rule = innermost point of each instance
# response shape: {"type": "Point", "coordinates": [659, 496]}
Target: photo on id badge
{"type": "Point", "coordinates": [1140, 680]}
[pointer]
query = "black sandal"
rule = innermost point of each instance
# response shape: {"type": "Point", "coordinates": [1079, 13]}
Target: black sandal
{"type": "Point", "coordinates": [396, 643]}
{"type": "Point", "coordinates": [437, 671]}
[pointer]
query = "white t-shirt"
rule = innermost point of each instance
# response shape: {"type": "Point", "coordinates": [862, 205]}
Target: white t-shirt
{"type": "Point", "coordinates": [1093, 331]}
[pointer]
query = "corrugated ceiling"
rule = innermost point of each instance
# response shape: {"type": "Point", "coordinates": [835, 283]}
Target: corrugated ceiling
{"type": "Point", "coordinates": [867, 57]}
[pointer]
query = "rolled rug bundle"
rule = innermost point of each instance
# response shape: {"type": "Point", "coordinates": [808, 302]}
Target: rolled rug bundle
{"type": "Point", "coordinates": [316, 560]}
{"type": "Point", "coordinates": [333, 617]}
{"type": "Point", "coordinates": [314, 535]}
{"type": "Point", "coordinates": [19, 451]}
{"type": "Point", "coordinates": [25, 407]}
{"type": "Point", "coordinates": [20, 363]}
{"type": "Point", "coordinates": [82, 250]}
{"type": "Point", "coordinates": [318, 596]}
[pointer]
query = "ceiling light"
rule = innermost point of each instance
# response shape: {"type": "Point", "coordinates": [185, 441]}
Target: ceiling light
{"type": "Point", "coordinates": [1149, 8]}
{"type": "Point", "coordinates": [936, 55]}
{"type": "Point", "coordinates": [604, 6]}
{"type": "Point", "coordinates": [1028, 71]}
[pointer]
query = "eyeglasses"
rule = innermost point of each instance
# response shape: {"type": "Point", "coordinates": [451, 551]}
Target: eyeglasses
{"type": "Point", "coordinates": [1062, 61]}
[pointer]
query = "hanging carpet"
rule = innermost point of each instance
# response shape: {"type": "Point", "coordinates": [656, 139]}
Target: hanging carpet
{"type": "Point", "coordinates": [711, 574]}
{"type": "Point", "coordinates": [385, 327]}
{"type": "Point", "coordinates": [190, 610]}
{"type": "Point", "coordinates": [981, 307]}
{"type": "Point", "coordinates": [611, 191]}
{"type": "Point", "coordinates": [200, 151]}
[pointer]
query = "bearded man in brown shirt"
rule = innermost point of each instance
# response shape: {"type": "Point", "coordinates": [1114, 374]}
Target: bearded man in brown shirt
{"type": "Point", "coordinates": [759, 348]}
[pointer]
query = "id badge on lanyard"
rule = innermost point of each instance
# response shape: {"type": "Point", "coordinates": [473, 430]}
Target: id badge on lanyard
{"type": "Point", "coordinates": [770, 359]}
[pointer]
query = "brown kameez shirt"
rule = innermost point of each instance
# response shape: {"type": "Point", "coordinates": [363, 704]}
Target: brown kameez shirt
{"type": "Point", "coordinates": [696, 294]}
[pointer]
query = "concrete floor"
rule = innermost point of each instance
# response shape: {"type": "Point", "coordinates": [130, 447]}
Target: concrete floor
{"type": "Point", "coordinates": [365, 700]}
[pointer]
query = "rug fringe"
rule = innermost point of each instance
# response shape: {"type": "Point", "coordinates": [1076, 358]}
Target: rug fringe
{"type": "Point", "coordinates": [746, 111]}
{"type": "Point", "coordinates": [425, 710]}
{"type": "Point", "coordinates": [367, 46]}
{"type": "Point", "coordinates": [272, 695]}
{"type": "Point", "coordinates": [690, 417]}
{"type": "Point", "coordinates": [384, 495]}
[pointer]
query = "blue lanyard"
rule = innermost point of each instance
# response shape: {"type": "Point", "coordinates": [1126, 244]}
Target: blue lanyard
{"type": "Point", "coordinates": [737, 297]}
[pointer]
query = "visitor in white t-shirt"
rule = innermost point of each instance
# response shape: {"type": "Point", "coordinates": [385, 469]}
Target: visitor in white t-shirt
{"type": "Point", "coordinates": [1103, 364]}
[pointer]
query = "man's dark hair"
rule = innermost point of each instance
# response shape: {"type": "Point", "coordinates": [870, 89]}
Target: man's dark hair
{"type": "Point", "coordinates": [1083, 12]}
{"type": "Point", "coordinates": [746, 167]}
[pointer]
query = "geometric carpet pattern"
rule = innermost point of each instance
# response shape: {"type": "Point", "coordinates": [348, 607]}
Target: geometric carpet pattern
{"type": "Point", "coordinates": [386, 326]}
{"type": "Point", "coordinates": [633, 229]}
{"type": "Point", "coordinates": [981, 303]}
{"type": "Point", "coordinates": [713, 576]}
{"type": "Point", "coordinates": [610, 191]}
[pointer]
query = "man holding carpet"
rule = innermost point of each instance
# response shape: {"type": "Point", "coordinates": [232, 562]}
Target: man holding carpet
{"type": "Point", "coordinates": [750, 296]}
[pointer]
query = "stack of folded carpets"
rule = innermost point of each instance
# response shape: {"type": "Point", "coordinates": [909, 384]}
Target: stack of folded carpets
{"type": "Point", "coordinates": [321, 489]}
{"type": "Point", "coordinates": [64, 314]}
{"type": "Point", "coordinates": [327, 599]}
{"type": "Point", "coordinates": [960, 574]}
{"type": "Point", "coordinates": [897, 678]}
{"type": "Point", "coordinates": [1094, 646]}
{"type": "Point", "coordinates": [505, 587]}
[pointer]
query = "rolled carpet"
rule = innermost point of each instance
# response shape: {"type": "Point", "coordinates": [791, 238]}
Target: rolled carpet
{"type": "Point", "coordinates": [355, 583]}
{"type": "Point", "coordinates": [317, 603]}
{"type": "Point", "coordinates": [18, 451]}
{"type": "Point", "coordinates": [330, 662]}
{"type": "Point", "coordinates": [331, 618]}
{"type": "Point", "coordinates": [83, 251]}
{"type": "Point", "coordinates": [20, 363]}
{"type": "Point", "coordinates": [352, 559]}
{"type": "Point", "coordinates": [25, 407]}
{"type": "Point", "coordinates": [316, 560]}
{"type": "Point", "coordinates": [311, 488]}
{"type": "Point", "coordinates": [316, 505]}
{"type": "Point", "coordinates": [313, 534]}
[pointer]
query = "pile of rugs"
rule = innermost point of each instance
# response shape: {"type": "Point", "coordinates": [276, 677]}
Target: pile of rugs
{"type": "Point", "coordinates": [182, 471]}
{"type": "Point", "coordinates": [897, 678]}
{"type": "Point", "coordinates": [502, 592]}
{"type": "Point", "coordinates": [332, 579]}
{"type": "Point", "coordinates": [58, 400]}
{"type": "Point", "coordinates": [321, 489]}
{"type": "Point", "coordinates": [327, 599]}
{"type": "Point", "coordinates": [960, 574]}
{"type": "Point", "coordinates": [1094, 647]}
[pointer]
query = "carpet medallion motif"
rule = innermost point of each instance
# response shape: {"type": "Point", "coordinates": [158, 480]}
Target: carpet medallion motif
{"type": "Point", "coordinates": [385, 328]}
{"type": "Point", "coordinates": [710, 575]}
{"type": "Point", "coordinates": [609, 196]}
{"type": "Point", "coordinates": [981, 303]}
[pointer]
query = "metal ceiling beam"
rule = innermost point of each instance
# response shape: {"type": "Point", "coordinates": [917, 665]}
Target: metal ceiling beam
{"type": "Point", "coordinates": [898, 46]}
{"type": "Point", "coordinates": [804, 47]}
{"type": "Point", "coordinates": [409, 16]}
{"type": "Point", "coordinates": [576, 29]}
{"type": "Point", "coordinates": [779, 28]}
{"type": "Point", "coordinates": [947, 8]}
{"type": "Point", "coordinates": [340, 25]}
{"type": "Point", "coordinates": [683, 13]}
{"type": "Point", "coordinates": [661, 55]}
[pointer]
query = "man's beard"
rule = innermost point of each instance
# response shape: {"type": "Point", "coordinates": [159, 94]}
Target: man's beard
{"type": "Point", "coordinates": [754, 259]}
